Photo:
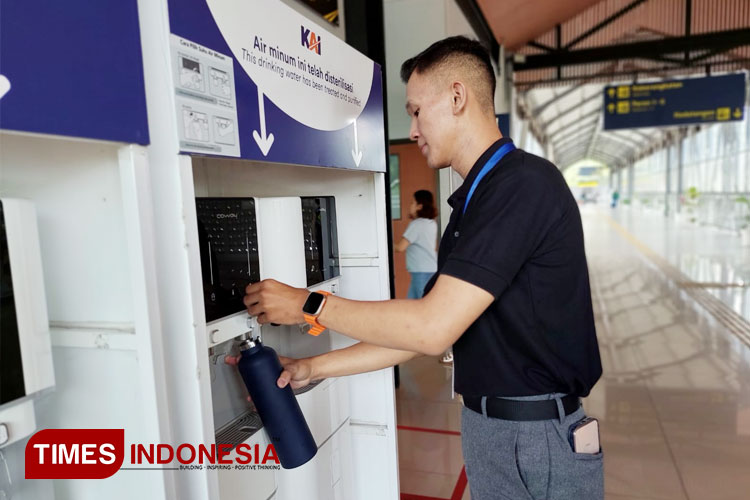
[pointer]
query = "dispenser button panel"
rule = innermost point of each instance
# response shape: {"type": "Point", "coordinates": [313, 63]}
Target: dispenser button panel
{"type": "Point", "coordinates": [228, 235]}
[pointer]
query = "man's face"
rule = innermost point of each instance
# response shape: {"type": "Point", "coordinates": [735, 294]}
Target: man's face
{"type": "Point", "coordinates": [432, 119]}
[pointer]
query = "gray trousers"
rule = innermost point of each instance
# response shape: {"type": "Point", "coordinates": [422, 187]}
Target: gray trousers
{"type": "Point", "coordinates": [508, 460]}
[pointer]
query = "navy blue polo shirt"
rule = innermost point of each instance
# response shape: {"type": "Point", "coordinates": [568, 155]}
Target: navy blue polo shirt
{"type": "Point", "coordinates": [521, 240]}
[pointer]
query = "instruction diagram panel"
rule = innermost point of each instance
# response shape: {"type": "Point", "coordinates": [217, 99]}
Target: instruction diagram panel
{"type": "Point", "coordinates": [205, 99]}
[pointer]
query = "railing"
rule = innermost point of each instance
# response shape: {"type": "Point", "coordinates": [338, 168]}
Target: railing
{"type": "Point", "coordinates": [723, 210]}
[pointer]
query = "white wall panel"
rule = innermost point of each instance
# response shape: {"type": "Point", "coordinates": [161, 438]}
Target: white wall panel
{"type": "Point", "coordinates": [75, 187]}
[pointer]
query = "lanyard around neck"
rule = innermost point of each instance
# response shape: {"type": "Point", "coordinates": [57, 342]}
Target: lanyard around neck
{"type": "Point", "coordinates": [494, 160]}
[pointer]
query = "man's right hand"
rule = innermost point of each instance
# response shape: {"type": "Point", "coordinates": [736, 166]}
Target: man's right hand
{"type": "Point", "coordinates": [296, 371]}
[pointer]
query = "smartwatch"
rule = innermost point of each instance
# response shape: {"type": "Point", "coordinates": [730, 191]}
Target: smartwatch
{"type": "Point", "coordinates": [311, 310]}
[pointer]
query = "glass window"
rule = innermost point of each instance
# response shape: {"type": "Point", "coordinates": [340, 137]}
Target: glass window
{"type": "Point", "coordinates": [393, 170]}
{"type": "Point", "coordinates": [329, 9]}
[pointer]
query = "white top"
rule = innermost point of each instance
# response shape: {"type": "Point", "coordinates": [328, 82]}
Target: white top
{"type": "Point", "coordinates": [421, 256]}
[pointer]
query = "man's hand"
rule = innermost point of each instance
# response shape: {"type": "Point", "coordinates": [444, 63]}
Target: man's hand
{"type": "Point", "coordinates": [273, 302]}
{"type": "Point", "coordinates": [298, 372]}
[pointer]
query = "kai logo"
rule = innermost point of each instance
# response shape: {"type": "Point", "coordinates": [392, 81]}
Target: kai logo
{"type": "Point", "coordinates": [310, 41]}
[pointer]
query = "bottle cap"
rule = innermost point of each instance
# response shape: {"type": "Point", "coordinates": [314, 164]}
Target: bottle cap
{"type": "Point", "coordinates": [249, 344]}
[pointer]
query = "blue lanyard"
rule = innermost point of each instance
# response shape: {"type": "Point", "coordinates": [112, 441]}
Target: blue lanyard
{"type": "Point", "coordinates": [494, 160]}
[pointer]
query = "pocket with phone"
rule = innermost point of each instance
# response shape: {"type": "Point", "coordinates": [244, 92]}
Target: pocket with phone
{"type": "Point", "coordinates": [584, 436]}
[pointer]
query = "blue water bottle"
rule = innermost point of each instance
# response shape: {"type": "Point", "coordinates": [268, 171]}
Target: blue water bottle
{"type": "Point", "coordinates": [278, 408]}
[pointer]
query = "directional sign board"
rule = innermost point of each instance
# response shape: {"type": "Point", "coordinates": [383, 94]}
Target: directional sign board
{"type": "Point", "coordinates": [255, 79]}
{"type": "Point", "coordinates": [675, 102]}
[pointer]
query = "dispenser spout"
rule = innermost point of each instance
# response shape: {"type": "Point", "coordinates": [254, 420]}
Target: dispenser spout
{"type": "Point", "coordinates": [253, 326]}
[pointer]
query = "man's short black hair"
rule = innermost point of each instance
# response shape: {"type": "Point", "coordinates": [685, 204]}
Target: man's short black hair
{"type": "Point", "coordinates": [459, 48]}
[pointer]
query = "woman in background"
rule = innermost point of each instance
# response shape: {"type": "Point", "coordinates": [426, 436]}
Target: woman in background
{"type": "Point", "coordinates": [420, 242]}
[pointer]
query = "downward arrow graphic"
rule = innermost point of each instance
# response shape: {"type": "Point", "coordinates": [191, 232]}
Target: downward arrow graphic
{"type": "Point", "coordinates": [356, 153]}
{"type": "Point", "coordinates": [264, 142]}
{"type": "Point", "coordinates": [4, 86]}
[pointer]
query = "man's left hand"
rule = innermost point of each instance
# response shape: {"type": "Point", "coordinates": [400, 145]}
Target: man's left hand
{"type": "Point", "coordinates": [273, 302]}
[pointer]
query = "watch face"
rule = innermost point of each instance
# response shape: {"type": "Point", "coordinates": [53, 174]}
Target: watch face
{"type": "Point", "coordinates": [313, 303]}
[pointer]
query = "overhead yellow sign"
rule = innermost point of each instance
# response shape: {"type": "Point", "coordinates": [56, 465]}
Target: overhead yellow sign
{"type": "Point", "coordinates": [588, 183]}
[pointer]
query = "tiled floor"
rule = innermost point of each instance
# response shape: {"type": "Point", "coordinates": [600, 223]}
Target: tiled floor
{"type": "Point", "coordinates": [714, 258]}
{"type": "Point", "coordinates": [674, 400]}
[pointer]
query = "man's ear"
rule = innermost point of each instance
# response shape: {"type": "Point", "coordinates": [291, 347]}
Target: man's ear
{"type": "Point", "coordinates": [459, 96]}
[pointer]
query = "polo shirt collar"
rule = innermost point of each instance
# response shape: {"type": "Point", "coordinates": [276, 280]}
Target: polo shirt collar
{"type": "Point", "coordinates": [459, 195]}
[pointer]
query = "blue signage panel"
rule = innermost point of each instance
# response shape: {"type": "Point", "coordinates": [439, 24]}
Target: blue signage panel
{"type": "Point", "coordinates": [257, 80]}
{"type": "Point", "coordinates": [675, 102]}
{"type": "Point", "coordinates": [72, 69]}
{"type": "Point", "coordinates": [503, 123]}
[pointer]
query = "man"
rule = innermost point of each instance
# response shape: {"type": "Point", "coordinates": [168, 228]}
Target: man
{"type": "Point", "coordinates": [511, 294]}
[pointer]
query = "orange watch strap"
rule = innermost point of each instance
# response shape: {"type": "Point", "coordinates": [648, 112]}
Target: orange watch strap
{"type": "Point", "coordinates": [315, 327]}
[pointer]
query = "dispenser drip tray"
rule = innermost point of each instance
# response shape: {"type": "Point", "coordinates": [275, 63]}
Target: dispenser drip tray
{"type": "Point", "coordinates": [243, 427]}
{"type": "Point", "coordinates": [239, 430]}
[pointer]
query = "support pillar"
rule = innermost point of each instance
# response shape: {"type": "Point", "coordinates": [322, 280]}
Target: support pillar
{"type": "Point", "coordinates": [680, 187]}
{"type": "Point", "coordinates": [631, 181]}
{"type": "Point", "coordinates": [667, 173]}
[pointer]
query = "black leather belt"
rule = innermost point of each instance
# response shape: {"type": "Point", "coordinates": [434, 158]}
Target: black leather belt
{"type": "Point", "coordinates": [522, 411]}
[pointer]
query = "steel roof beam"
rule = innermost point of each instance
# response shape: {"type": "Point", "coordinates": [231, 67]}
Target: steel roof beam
{"type": "Point", "coordinates": [573, 108]}
{"type": "Point", "coordinates": [549, 102]}
{"type": "Point", "coordinates": [728, 39]}
{"type": "Point", "coordinates": [540, 46]}
{"type": "Point", "coordinates": [478, 22]}
{"type": "Point", "coordinates": [595, 135]}
{"type": "Point", "coordinates": [604, 23]}
{"type": "Point", "coordinates": [575, 149]}
{"type": "Point", "coordinates": [596, 111]}
{"type": "Point", "coordinates": [688, 24]}
{"type": "Point", "coordinates": [577, 133]}
{"type": "Point", "coordinates": [579, 139]}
